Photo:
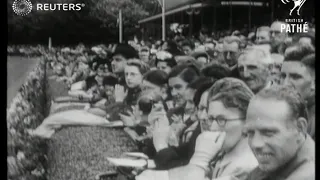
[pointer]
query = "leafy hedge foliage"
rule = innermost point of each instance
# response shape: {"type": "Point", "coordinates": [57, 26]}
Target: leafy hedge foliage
{"type": "Point", "coordinates": [27, 155]}
{"type": "Point", "coordinates": [80, 152]}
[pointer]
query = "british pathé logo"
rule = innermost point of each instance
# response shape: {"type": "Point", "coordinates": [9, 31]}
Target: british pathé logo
{"type": "Point", "coordinates": [297, 4]}
{"type": "Point", "coordinates": [295, 25]}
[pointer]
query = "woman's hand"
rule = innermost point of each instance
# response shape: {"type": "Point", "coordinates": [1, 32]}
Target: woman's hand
{"type": "Point", "coordinates": [158, 114]}
{"type": "Point", "coordinates": [120, 93]}
{"type": "Point", "coordinates": [208, 145]}
{"type": "Point", "coordinates": [177, 128]}
{"type": "Point", "coordinates": [161, 138]}
{"type": "Point", "coordinates": [177, 119]}
{"type": "Point", "coordinates": [161, 133]}
{"type": "Point", "coordinates": [130, 120]}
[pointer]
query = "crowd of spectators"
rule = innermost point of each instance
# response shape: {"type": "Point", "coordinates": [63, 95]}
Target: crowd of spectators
{"type": "Point", "coordinates": [233, 106]}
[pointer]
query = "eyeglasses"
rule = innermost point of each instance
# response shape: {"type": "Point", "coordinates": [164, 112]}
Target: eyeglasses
{"type": "Point", "coordinates": [220, 120]}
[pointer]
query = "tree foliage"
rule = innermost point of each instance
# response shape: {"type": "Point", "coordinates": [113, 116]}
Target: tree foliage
{"type": "Point", "coordinates": [97, 22]}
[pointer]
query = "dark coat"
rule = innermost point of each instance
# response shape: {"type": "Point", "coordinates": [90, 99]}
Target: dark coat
{"type": "Point", "coordinates": [177, 156]}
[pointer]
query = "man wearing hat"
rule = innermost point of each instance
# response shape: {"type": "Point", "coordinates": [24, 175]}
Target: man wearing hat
{"type": "Point", "coordinates": [121, 54]}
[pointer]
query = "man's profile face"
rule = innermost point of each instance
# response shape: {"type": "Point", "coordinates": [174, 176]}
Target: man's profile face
{"type": "Point", "coordinates": [296, 74]}
{"type": "Point", "coordinates": [118, 63]}
{"type": "Point", "coordinates": [271, 133]}
{"type": "Point", "coordinates": [254, 73]}
{"type": "Point", "coordinates": [262, 37]}
{"type": "Point", "coordinates": [231, 52]}
{"type": "Point", "coordinates": [277, 36]}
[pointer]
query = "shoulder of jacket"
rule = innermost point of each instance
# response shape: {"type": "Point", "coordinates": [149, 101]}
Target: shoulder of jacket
{"type": "Point", "coordinates": [306, 171]}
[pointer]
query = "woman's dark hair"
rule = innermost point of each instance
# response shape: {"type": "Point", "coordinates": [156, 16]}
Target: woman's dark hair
{"type": "Point", "coordinates": [110, 80]}
{"type": "Point", "coordinates": [91, 81]}
{"type": "Point", "coordinates": [198, 82]}
{"type": "Point", "coordinates": [126, 51]}
{"type": "Point", "coordinates": [99, 62]}
{"type": "Point", "coordinates": [96, 62]}
{"type": "Point", "coordinates": [156, 77]}
{"type": "Point", "coordinates": [216, 70]}
{"type": "Point", "coordinates": [186, 72]}
{"type": "Point", "coordinates": [173, 48]}
{"type": "Point", "coordinates": [170, 62]}
{"type": "Point", "coordinates": [188, 43]}
{"type": "Point", "coordinates": [201, 89]}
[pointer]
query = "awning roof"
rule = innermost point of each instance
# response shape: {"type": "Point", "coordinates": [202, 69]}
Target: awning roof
{"type": "Point", "coordinates": [185, 7]}
{"type": "Point", "coordinates": [172, 4]}
{"type": "Point", "coordinates": [175, 6]}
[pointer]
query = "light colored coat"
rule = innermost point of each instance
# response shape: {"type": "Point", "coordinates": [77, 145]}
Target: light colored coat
{"type": "Point", "coordinates": [237, 164]}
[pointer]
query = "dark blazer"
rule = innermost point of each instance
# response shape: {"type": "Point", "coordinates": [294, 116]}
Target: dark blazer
{"type": "Point", "coordinates": [235, 73]}
{"type": "Point", "coordinates": [177, 156]}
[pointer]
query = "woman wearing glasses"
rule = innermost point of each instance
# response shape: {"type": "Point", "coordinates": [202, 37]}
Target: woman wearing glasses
{"type": "Point", "coordinates": [221, 150]}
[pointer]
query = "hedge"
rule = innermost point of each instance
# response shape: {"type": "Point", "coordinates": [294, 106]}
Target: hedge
{"type": "Point", "coordinates": [72, 153]}
{"type": "Point", "coordinates": [27, 155]}
{"type": "Point", "coordinates": [80, 152]}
